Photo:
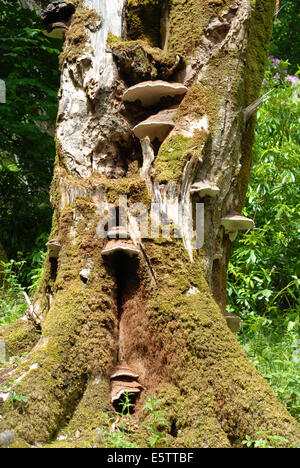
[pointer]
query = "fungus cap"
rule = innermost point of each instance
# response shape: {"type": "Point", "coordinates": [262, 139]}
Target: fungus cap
{"type": "Point", "coordinates": [123, 371]}
{"type": "Point", "coordinates": [156, 126]}
{"type": "Point", "coordinates": [236, 222]}
{"type": "Point", "coordinates": [150, 92]}
{"type": "Point", "coordinates": [119, 387]}
{"type": "Point", "coordinates": [115, 246]}
{"type": "Point", "coordinates": [205, 189]}
{"type": "Point", "coordinates": [233, 322]}
{"type": "Point", "coordinates": [53, 248]}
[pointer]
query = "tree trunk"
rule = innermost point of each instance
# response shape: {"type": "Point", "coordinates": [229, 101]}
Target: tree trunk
{"type": "Point", "coordinates": [159, 310]}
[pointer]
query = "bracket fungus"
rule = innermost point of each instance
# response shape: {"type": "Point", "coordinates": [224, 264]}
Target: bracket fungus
{"type": "Point", "coordinates": [53, 248]}
{"type": "Point", "coordinates": [56, 18]}
{"type": "Point", "coordinates": [150, 92]}
{"type": "Point", "coordinates": [205, 189]}
{"type": "Point", "coordinates": [157, 126]}
{"type": "Point", "coordinates": [124, 379]}
{"type": "Point", "coordinates": [233, 322]}
{"type": "Point", "coordinates": [234, 223]}
{"type": "Point", "coordinates": [123, 371]}
{"type": "Point", "coordinates": [120, 245]}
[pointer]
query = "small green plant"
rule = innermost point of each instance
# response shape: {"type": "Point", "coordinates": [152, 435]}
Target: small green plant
{"type": "Point", "coordinates": [13, 275]}
{"type": "Point", "coordinates": [12, 303]}
{"type": "Point", "coordinates": [19, 398]}
{"type": "Point", "coordinates": [157, 424]}
{"type": "Point", "coordinates": [265, 440]}
{"type": "Point", "coordinates": [126, 404]}
{"type": "Point", "coordinates": [121, 426]}
{"type": "Point", "coordinates": [4, 389]}
{"type": "Point", "coordinates": [16, 359]}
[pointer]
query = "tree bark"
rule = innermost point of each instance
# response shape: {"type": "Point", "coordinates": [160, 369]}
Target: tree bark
{"type": "Point", "coordinates": [161, 312]}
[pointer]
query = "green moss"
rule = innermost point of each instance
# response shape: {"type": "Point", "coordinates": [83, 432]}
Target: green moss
{"type": "Point", "coordinates": [209, 391]}
{"type": "Point", "coordinates": [143, 20]}
{"type": "Point", "coordinates": [174, 153]}
{"type": "Point", "coordinates": [260, 31]}
{"type": "Point", "coordinates": [188, 21]}
{"type": "Point", "coordinates": [91, 413]}
{"type": "Point", "coordinates": [77, 337]}
{"type": "Point", "coordinates": [19, 337]}
{"type": "Point", "coordinates": [76, 43]}
{"type": "Point", "coordinates": [171, 158]}
{"type": "Point", "coordinates": [197, 102]}
{"type": "Point", "coordinates": [139, 61]}
{"type": "Point", "coordinates": [133, 187]}
{"type": "Point", "coordinates": [214, 395]}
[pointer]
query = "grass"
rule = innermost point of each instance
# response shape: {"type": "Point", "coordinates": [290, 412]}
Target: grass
{"type": "Point", "coordinates": [274, 349]}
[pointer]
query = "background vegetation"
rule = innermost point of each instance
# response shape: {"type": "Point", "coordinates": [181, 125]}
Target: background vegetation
{"type": "Point", "coordinates": [263, 286]}
{"type": "Point", "coordinates": [264, 272]}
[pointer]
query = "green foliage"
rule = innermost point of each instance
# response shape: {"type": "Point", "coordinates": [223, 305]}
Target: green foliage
{"type": "Point", "coordinates": [121, 425]}
{"type": "Point", "coordinates": [14, 397]}
{"type": "Point", "coordinates": [263, 276]}
{"type": "Point", "coordinates": [286, 38]}
{"type": "Point", "coordinates": [13, 273]}
{"type": "Point", "coordinates": [157, 425]}
{"type": "Point", "coordinates": [274, 348]}
{"type": "Point", "coordinates": [266, 440]}
{"type": "Point", "coordinates": [33, 263]}
{"type": "Point", "coordinates": [12, 304]}
{"type": "Point", "coordinates": [118, 437]}
{"type": "Point", "coordinates": [29, 67]}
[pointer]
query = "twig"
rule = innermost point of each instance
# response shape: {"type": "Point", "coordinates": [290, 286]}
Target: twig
{"type": "Point", "coordinates": [31, 315]}
{"type": "Point", "coordinates": [114, 425]}
{"type": "Point", "coordinates": [249, 111]}
{"type": "Point", "coordinates": [277, 11]}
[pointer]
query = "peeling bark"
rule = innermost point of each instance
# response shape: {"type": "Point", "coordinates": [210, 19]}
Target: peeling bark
{"type": "Point", "coordinates": [158, 313]}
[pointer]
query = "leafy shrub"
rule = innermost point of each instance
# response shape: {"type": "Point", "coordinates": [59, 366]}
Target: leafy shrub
{"type": "Point", "coordinates": [12, 303]}
{"type": "Point", "coordinates": [263, 275]}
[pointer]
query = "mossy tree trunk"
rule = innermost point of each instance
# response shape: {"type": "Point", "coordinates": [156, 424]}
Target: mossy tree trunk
{"type": "Point", "coordinates": [160, 312]}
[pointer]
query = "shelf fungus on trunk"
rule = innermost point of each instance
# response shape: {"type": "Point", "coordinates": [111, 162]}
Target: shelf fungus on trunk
{"type": "Point", "coordinates": [157, 126]}
{"type": "Point", "coordinates": [205, 189]}
{"type": "Point", "coordinates": [123, 371]}
{"type": "Point", "coordinates": [118, 246]}
{"type": "Point", "coordinates": [233, 322]}
{"type": "Point", "coordinates": [56, 18]}
{"type": "Point", "coordinates": [235, 222]}
{"type": "Point", "coordinates": [54, 247]}
{"type": "Point", "coordinates": [149, 93]}
{"type": "Point", "coordinates": [119, 241]}
{"type": "Point", "coordinates": [124, 380]}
